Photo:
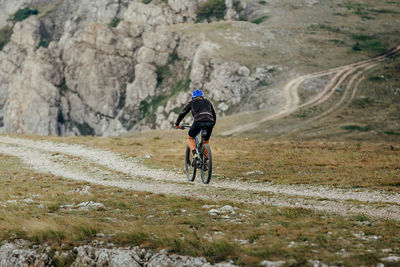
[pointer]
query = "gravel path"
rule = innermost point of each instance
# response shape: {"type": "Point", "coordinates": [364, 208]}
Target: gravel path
{"type": "Point", "coordinates": [88, 165]}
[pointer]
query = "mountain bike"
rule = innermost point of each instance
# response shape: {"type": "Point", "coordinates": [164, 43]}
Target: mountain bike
{"type": "Point", "coordinates": [204, 161]}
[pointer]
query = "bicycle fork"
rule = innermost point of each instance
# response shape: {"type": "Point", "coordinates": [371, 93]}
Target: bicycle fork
{"type": "Point", "coordinates": [198, 151]}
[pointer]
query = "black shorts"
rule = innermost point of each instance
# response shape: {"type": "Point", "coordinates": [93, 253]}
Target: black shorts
{"type": "Point", "coordinates": [197, 126]}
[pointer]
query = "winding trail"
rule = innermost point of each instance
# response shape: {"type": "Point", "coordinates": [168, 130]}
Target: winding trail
{"type": "Point", "coordinates": [341, 76]}
{"type": "Point", "coordinates": [107, 168]}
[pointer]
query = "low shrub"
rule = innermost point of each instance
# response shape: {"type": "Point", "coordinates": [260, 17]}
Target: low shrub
{"type": "Point", "coordinates": [357, 128]}
{"type": "Point", "coordinates": [260, 20]}
{"type": "Point", "coordinates": [211, 9]}
{"type": "Point", "coordinates": [24, 13]}
{"type": "Point", "coordinates": [114, 22]}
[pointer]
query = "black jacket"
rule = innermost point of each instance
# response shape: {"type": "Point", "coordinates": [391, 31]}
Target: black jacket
{"type": "Point", "coordinates": [202, 110]}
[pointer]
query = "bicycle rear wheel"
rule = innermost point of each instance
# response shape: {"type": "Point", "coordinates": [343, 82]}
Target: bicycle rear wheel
{"type": "Point", "coordinates": [190, 170]}
{"type": "Point", "coordinates": [206, 168]}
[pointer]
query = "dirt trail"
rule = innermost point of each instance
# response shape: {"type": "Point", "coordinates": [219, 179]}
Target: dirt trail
{"type": "Point", "coordinates": [89, 164]}
{"type": "Point", "coordinates": [339, 78]}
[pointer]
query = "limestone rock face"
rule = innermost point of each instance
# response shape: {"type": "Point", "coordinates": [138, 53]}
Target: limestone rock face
{"type": "Point", "coordinates": [12, 254]}
{"type": "Point", "coordinates": [96, 71]}
{"type": "Point", "coordinates": [144, 85]}
{"type": "Point", "coordinates": [149, 16]}
{"type": "Point", "coordinates": [69, 72]}
{"type": "Point", "coordinates": [89, 256]}
{"type": "Point", "coordinates": [26, 33]}
{"type": "Point", "coordinates": [229, 82]}
{"type": "Point", "coordinates": [231, 14]}
{"type": "Point", "coordinates": [32, 105]}
{"type": "Point", "coordinates": [29, 83]}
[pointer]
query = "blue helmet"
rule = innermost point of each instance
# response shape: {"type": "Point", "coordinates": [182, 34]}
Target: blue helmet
{"type": "Point", "coordinates": [197, 93]}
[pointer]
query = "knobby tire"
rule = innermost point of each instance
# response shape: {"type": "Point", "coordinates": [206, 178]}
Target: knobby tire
{"type": "Point", "coordinates": [190, 170]}
{"type": "Point", "coordinates": [206, 173]}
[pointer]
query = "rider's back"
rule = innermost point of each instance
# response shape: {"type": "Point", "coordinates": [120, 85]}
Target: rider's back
{"type": "Point", "coordinates": [202, 109]}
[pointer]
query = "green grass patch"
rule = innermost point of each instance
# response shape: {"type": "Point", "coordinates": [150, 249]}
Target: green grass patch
{"type": "Point", "coordinates": [260, 20]}
{"type": "Point", "coordinates": [368, 43]}
{"type": "Point", "coordinates": [357, 128]}
{"type": "Point", "coordinates": [336, 41]}
{"type": "Point", "coordinates": [352, 5]}
{"type": "Point", "coordinates": [390, 132]}
{"type": "Point", "coordinates": [24, 13]}
{"type": "Point", "coordinates": [363, 37]}
{"type": "Point", "coordinates": [379, 78]}
{"type": "Point", "coordinates": [384, 11]}
{"type": "Point", "coordinates": [324, 27]}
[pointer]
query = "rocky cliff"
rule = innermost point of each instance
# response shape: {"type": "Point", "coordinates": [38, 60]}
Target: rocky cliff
{"type": "Point", "coordinates": [108, 67]}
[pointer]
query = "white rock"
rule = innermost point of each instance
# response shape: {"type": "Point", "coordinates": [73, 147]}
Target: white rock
{"type": "Point", "coordinates": [223, 106]}
{"type": "Point", "coordinates": [28, 200]}
{"type": "Point", "coordinates": [244, 71]}
{"type": "Point", "coordinates": [223, 210]}
{"type": "Point", "coordinates": [90, 205]}
{"type": "Point", "coordinates": [391, 259]}
{"type": "Point", "coordinates": [267, 263]}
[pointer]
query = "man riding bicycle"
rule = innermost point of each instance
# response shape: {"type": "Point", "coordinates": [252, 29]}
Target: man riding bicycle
{"type": "Point", "coordinates": [204, 118]}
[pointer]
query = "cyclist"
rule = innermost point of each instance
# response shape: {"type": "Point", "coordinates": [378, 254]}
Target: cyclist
{"type": "Point", "coordinates": [204, 118]}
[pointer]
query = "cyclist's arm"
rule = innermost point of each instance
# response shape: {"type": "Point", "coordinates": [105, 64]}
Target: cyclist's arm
{"type": "Point", "coordinates": [213, 113]}
{"type": "Point", "coordinates": [184, 112]}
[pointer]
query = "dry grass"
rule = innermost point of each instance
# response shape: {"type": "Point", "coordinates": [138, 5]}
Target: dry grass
{"type": "Point", "coordinates": [341, 164]}
{"type": "Point", "coordinates": [181, 225]}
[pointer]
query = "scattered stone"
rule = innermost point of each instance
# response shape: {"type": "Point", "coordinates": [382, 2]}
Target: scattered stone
{"type": "Point", "coordinates": [317, 263]}
{"type": "Point", "coordinates": [392, 259]}
{"type": "Point", "coordinates": [241, 241]}
{"type": "Point", "coordinates": [148, 157]}
{"type": "Point", "coordinates": [27, 200]}
{"type": "Point", "coordinates": [254, 172]}
{"type": "Point", "coordinates": [272, 263]}
{"type": "Point", "coordinates": [364, 237]}
{"type": "Point", "coordinates": [90, 205]}
{"type": "Point", "coordinates": [223, 210]}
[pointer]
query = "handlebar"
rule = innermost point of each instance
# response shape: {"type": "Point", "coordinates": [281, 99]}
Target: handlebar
{"type": "Point", "coordinates": [183, 127]}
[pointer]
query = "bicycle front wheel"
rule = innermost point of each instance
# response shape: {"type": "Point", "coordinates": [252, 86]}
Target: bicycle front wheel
{"type": "Point", "coordinates": [190, 169]}
{"type": "Point", "coordinates": [206, 168]}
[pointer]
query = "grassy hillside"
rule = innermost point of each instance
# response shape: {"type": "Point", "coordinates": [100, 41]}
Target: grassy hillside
{"type": "Point", "coordinates": [297, 38]}
{"type": "Point", "coordinates": [42, 208]}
